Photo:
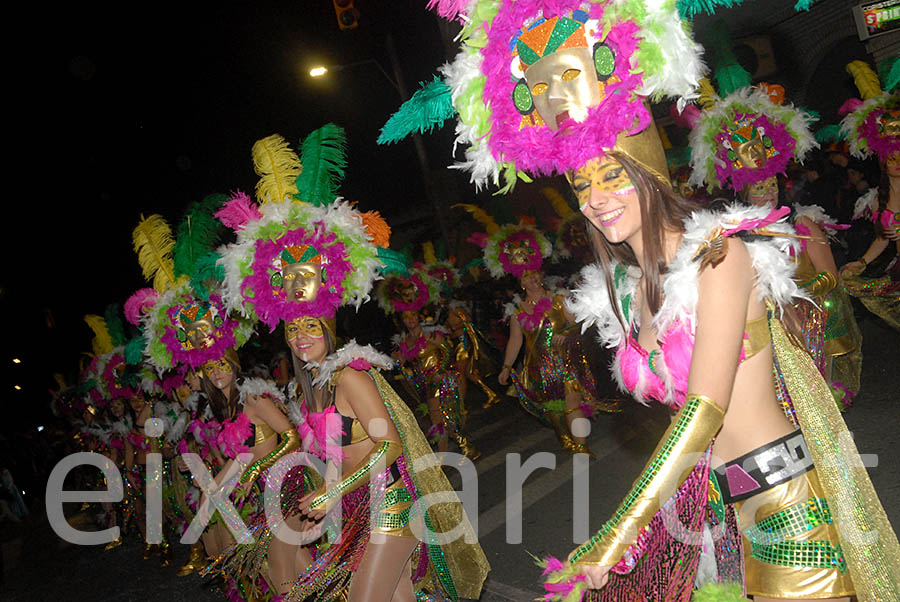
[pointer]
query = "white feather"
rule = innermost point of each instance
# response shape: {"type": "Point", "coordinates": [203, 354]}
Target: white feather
{"type": "Point", "coordinates": [259, 387]}
{"type": "Point", "coordinates": [346, 355]}
{"type": "Point", "coordinates": [868, 201]}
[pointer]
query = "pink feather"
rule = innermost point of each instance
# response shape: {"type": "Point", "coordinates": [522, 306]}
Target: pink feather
{"type": "Point", "coordinates": [687, 118]}
{"type": "Point", "coordinates": [238, 212]}
{"type": "Point", "coordinates": [478, 238]}
{"type": "Point", "coordinates": [756, 224]}
{"type": "Point", "coordinates": [448, 9]}
{"type": "Point", "coordinates": [849, 106]}
{"type": "Point", "coordinates": [138, 303]}
{"type": "Point", "coordinates": [552, 564]}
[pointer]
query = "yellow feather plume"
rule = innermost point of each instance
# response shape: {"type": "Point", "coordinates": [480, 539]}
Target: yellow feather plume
{"type": "Point", "coordinates": [865, 78]}
{"type": "Point", "coordinates": [559, 203]}
{"type": "Point", "coordinates": [153, 243]}
{"type": "Point", "coordinates": [708, 96]}
{"type": "Point", "coordinates": [277, 166]}
{"type": "Point", "coordinates": [428, 252]}
{"type": "Point", "coordinates": [480, 216]}
{"type": "Point", "coordinates": [102, 342]}
{"type": "Point", "coordinates": [60, 380]}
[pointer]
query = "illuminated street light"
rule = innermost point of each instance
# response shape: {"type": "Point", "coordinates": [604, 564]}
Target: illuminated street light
{"type": "Point", "coordinates": [17, 360]}
{"type": "Point", "coordinates": [318, 71]}
{"type": "Point", "coordinates": [17, 388]}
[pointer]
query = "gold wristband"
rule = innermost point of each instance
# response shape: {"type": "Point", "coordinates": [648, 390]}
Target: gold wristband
{"type": "Point", "coordinates": [821, 284]}
{"type": "Point", "coordinates": [384, 454]}
{"type": "Point", "coordinates": [290, 441]}
{"type": "Point", "coordinates": [691, 433]}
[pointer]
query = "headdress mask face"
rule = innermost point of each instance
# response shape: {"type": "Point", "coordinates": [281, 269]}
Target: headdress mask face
{"type": "Point", "coordinates": [748, 146]}
{"type": "Point", "coordinates": [890, 123]}
{"type": "Point", "coordinates": [198, 326]}
{"type": "Point", "coordinates": [519, 251]}
{"type": "Point", "coordinates": [300, 272]}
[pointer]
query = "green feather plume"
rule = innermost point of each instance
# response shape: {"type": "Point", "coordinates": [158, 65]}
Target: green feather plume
{"type": "Point", "coordinates": [829, 134]}
{"type": "Point", "coordinates": [719, 592]}
{"type": "Point", "coordinates": [198, 233]}
{"type": "Point", "coordinates": [728, 72]}
{"type": "Point", "coordinates": [324, 157]}
{"type": "Point", "coordinates": [889, 72]}
{"type": "Point", "coordinates": [206, 270]}
{"type": "Point", "coordinates": [394, 262]}
{"type": "Point", "coordinates": [428, 108]}
{"type": "Point", "coordinates": [803, 5]}
{"type": "Point", "coordinates": [114, 324]}
{"type": "Point", "coordinates": [134, 351]}
{"type": "Point", "coordinates": [688, 9]}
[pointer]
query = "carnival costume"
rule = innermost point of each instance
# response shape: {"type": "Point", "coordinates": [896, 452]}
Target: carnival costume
{"type": "Point", "coordinates": [429, 363]}
{"type": "Point", "coordinates": [743, 141]}
{"type": "Point", "coordinates": [871, 127]}
{"type": "Point", "coordinates": [797, 547]}
{"type": "Point", "coordinates": [472, 361]}
{"type": "Point", "coordinates": [302, 253]}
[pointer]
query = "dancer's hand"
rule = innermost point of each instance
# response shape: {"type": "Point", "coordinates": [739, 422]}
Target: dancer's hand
{"type": "Point", "coordinates": [891, 233]}
{"type": "Point", "coordinates": [596, 576]}
{"type": "Point", "coordinates": [303, 506]}
{"type": "Point", "coordinates": [503, 377]}
{"type": "Point", "coordinates": [853, 268]}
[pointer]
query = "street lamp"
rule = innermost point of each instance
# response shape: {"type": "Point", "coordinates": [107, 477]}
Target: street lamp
{"type": "Point", "coordinates": [318, 71]}
{"type": "Point", "coordinates": [17, 360]}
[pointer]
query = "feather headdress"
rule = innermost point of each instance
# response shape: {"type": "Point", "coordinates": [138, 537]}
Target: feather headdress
{"type": "Point", "coordinates": [311, 225]}
{"type": "Point", "coordinates": [511, 248]}
{"type": "Point", "coordinates": [872, 127]}
{"type": "Point", "coordinates": [153, 243]}
{"type": "Point", "coordinates": [277, 166]}
{"type": "Point", "coordinates": [645, 53]}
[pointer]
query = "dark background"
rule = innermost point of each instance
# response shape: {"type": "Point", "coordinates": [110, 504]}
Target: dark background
{"type": "Point", "coordinates": [119, 110]}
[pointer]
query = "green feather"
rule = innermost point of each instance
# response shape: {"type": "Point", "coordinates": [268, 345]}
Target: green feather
{"type": "Point", "coordinates": [803, 5]}
{"type": "Point", "coordinates": [719, 592]}
{"type": "Point", "coordinates": [428, 108]}
{"type": "Point", "coordinates": [198, 233]}
{"type": "Point", "coordinates": [394, 262]}
{"type": "Point", "coordinates": [324, 157]}
{"type": "Point", "coordinates": [134, 351]}
{"type": "Point", "coordinates": [829, 133]}
{"type": "Point", "coordinates": [728, 72]}
{"type": "Point", "coordinates": [206, 270]}
{"type": "Point", "coordinates": [688, 9]}
{"type": "Point", "coordinates": [85, 386]}
{"type": "Point", "coordinates": [114, 324]}
{"type": "Point", "coordinates": [889, 72]}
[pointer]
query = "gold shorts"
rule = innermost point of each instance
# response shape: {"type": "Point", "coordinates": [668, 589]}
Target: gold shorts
{"type": "Point", "coordinates": [392, 517]}
{"type": "Point", "coordinates": [791, 546]}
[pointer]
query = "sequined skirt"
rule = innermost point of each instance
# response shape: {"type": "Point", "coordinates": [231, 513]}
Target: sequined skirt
{"type": "Point", "coordinates": [791, 547]}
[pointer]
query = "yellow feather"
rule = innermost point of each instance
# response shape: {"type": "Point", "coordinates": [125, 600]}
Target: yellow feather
{"type": "Point", "coordinates": [102, 342]}
{"type": "Point", "coordinates": [708, 96]}
{"type": "Point", "coordinates": [60, 380]}
{"type": "Point", "coordinates": [428, 252]}
{"type": "Point", "coordinates": [865, 78]}
{"type": "Point", "coordinates": [559, 203]}
{"type": "Point", "coordinates": [480, 216]}
{"type": "Point", "coordinates": [153, 243]}
{"type": "Point", "coordinates": [277, 166]}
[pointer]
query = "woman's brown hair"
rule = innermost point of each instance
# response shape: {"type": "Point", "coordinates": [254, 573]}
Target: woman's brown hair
{"type": "Point", "coordinates": [304, 377]}
{"type": "Point", "coordinates": [661, 210]}
{"type": "Point", "coordinates": [222, 408]}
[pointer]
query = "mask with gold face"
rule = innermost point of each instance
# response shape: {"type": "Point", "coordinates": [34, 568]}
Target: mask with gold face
{"type": "Point", "coordinates": [747, 145]}
{"type": "Point", "coordinates": [310, 327]}
{"type": "Point", "coordinates": [198, 326]}
{"type": "Point", "coordinates": [220, 365]}
{"type": "Point", "coordinates": [300, 272]}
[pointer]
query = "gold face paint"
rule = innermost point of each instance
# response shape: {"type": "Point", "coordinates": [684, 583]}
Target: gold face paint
{"type": "Point", "coordinates": [222, 366]}
{"type": "Point", "coordinates": [603, 173]}
{"type": "Point", "coordinates": [311, 327]}
{"type": "Point", "coordinates": [764, 191]}
{"type": "Point", "coordinates": [302, 281]}
{"type": "Point", "coordinates": [564, 85]}
{"type": "Point", "coordinates": [752, 153]}
{"type": "Point", "coordinates": [200, 333]}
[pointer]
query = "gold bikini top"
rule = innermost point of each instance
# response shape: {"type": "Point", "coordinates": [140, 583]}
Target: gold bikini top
{"type": "Point", "coordinates": [756, 336]}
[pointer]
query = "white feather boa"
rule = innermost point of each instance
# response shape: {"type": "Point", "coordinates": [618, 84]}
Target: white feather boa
{"type": "Point", "coordinates": [868, 202]}
{"type": "Point", "coordinates": [770, 257]}
{"type": "Point", "coordinates": [816, 215]}
{"type": "Point", "coordinates": [259, 387]}
{"type": "Point", "coordinates": [175, 431]}
{"type": "Point", "coordinates": [345, 356]}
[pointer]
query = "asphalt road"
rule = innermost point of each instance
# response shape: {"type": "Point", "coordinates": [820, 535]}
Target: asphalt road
{"type": "Point", "coordinates": [37, 565]}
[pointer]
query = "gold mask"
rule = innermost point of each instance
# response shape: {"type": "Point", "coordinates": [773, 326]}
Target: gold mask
{"type": "Point", "coordinates": [311, 327]}
{"type": "Point", "coordinates": [519, 253]}
{"type": "Point", "coordinates": [752, 153]}
{"type": "Point", "coordinates": [200, 333]}
{"type": "Point", "coordinates": [302, 281]}
{"type": "Point", "coordinates": [890, 126]}
{"type": "Point", "coordinates": [564, 85]}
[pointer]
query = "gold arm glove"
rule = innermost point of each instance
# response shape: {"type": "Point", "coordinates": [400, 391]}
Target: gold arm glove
{"type": "Point", "coordinates": [820, 285]}
{"type": "Point", "coordinates": [693, 430]}
{"type": "Point", "coordinates": [290, 441]}
{"type": "Point", "coordinates": [383, 454]}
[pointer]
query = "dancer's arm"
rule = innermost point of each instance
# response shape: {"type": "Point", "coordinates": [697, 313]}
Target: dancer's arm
{"type": "Point", "coordinates": [359, 391]}
{"type": "Point", "coordinates": [819, 252]}
{"type": "Point", "coordinates": [513, 346]}
{"type": "Point", "coordinates": [723, 296]}
{"type": "Point", "coordinates": [263, 408]}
